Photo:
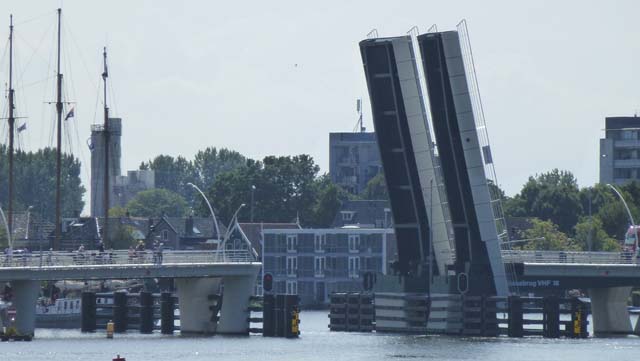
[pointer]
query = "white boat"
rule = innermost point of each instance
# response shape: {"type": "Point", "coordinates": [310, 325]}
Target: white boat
{"type": "Point", "coordinates": [63, 313]}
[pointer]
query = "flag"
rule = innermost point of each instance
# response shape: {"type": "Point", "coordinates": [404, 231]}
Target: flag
{"type": "Point", "coordinates": [70, 114]}
{"type": "Point", "coordinates": [22, 127]}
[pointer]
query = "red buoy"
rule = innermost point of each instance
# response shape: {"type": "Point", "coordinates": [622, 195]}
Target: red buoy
{"type": "Point", "coordinates": [118, 358]}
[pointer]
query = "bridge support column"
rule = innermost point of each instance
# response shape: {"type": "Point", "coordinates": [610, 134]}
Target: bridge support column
{"type": "Point", "coordinates": [609, 310]}
{"type": "Point", "coordinates": [197, 309]}
{"type": "Point", "coordinates": [25, 296]}
{"type": "Point", "coordinates": [234, 314]}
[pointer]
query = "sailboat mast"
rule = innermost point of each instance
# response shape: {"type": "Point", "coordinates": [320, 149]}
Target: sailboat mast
{"type": "Point", "coordinates": [12, 122]}
{"type": "Point", "coordinates": [105, 75]}
{"type": "Point", "coordinates": [56, 241]}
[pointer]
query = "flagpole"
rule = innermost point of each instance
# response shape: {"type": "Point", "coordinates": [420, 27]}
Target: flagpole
{"type": "Point", "coordinates": [12, 121]}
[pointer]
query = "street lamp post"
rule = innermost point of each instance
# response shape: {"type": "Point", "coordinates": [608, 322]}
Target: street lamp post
{"type": "Point", "coordinates": [213, 215]}
{"type": "Point", "coordinates": [228, 234]}
{"type": "Point", "coordinates": [253, 189]}
{"type": "Point", "coordinates": [6, 226]}
{"type": "Point", "coordinates": [633, 223]}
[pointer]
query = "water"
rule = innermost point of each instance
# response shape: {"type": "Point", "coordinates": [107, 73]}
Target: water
{"type": "Point", "coordinates": [316, 343]}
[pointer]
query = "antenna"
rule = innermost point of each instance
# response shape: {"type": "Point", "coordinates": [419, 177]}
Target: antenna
{"type": "Point", "coordinates": [359, 111]}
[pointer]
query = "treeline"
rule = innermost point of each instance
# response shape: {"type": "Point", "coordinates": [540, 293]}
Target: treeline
{"type": "Point", "coordinates": [573, 218]}
{"type": "Point", "coordinates": [283, 188]}
{"type": "Point", "coordinates": [35, 183]}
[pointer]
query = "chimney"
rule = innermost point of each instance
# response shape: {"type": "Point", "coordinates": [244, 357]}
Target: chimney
{"type": "Point", "coordinates": [188, 226]}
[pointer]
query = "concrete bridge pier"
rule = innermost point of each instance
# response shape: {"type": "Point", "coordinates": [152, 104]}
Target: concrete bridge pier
{"type": "Point", "coordinates": [25, 297]}
{"type": "Point", "coordinates": [196, 298]}
{"type": "Point", "coordinates": [235, 303]}
{"type": "Point", "coordinates": [609, 311]}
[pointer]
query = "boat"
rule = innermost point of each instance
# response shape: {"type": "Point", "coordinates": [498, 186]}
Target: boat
{"type": "Point", "coordinates": [63, 313]}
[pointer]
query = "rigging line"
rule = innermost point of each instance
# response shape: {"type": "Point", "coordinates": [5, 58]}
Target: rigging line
{"type": "Point", "coordinates": [35, 50]}
{"type": "Point", "coordinates": [74, 42]}
{"type": "Point", "coordinates": [95, 108]}
{"type": "Point", "coordinates": [4, 57]}
{"type": "Point", "coordinates": [81, 149]}
{"type": "Point", "coordinates": [48, 95]}
{"type": "Point", "coordinates": [113, 104]}
{"type": "Point", "coordinates": [33, 83]}
{"type": "Point", "coordinates": [35, 18]}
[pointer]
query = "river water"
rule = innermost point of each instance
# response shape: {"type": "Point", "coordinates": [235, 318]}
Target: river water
{"type": "Point", "coordinates": [315, 343]}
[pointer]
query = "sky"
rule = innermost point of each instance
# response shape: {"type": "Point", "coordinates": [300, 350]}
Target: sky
{"type": "Point", "coordinates": [274, 78]}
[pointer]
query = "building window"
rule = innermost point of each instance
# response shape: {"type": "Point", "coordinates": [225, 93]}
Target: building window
{"type": "Point", "coordinates": [164, 235]}
{"type": "Point", "coordinates": [347, 215]}
{"type": "Point", "coordinates": [354, 242]}
{"type": "Point", "coordinates": [292, 287]}
{"type": "Point", "coordinates": [354, 267]}
{"type": "Point", "coordinates": [292, 266]}
{"type": "Point", "coordinates": [292, 242]}
{"type": "Point", "coordinates": [320, 242]}
{"type": "Point", "coordinates": [623, 154]}
{"type": "Point", "coordinates": [319, 266]}
{"type": "Point", "coordinates": [622, 173]}
{"type": "Point", "coordinates": [629, 135]}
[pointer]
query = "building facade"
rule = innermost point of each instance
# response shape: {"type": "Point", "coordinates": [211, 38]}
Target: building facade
{"type": "Point", "coordinates": [364, 213]}
{"type": "Point", "coordinates": [127, 186]}
{"type": "Point", "coordinates": [354, 159]}
{"type": "Point", "coordinates": [313, 263]}
{"type": "Point", "coordinates": [97, 147]}
{"type": "Point", "coordinates": [620, 150]}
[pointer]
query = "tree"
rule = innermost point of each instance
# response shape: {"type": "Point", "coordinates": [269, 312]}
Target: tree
{"type": "Point", "coordinates": [173, 174]}
{"type": "Point", "coordinates": [329, 199]}
{"type": "Point", "coordinates": [285, 188]}
{"type": "Point", "coordinates": [545, 236]}
{"type": "Point", "coordinates": [552, 196]}
{"type": "Point", "coordinates": [121, 237]}
{"type": "Point", "coordinates": [211, 162]}
{"type": "Point", "coordinates": [590, 236]}
{"type": "Point", "coordinates": [35, 182]}
{"type": "Point", "coordinates": [615, 220]}
{"type": "Point", "coordinates": [376, 188]}
{"type": "Point", "coordinates": [157, 203]}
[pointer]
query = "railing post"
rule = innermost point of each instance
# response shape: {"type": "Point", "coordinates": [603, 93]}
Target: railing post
{"type": "Point", "coordinates": [88, 309]}
{"type": "Point", "coordinates": [146, 312]}
{"type": "Point", "coordinates": [515, 324]}
{"type": "Point", "coordinates": [120, 312]}
{"type": "Point", "coordinates": [551, 314]}
{"type": "Point", "coordinates": [167, 308]}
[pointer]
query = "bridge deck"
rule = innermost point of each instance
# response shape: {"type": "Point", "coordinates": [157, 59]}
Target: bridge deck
{"type": "Point", "coordinates": [122, 264]}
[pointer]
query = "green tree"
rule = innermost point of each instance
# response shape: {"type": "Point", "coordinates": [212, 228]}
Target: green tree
{"type": "Point", "coordinates": [156, 203]}
{"type": "Point", "coordinates": [173, 174]}
{"type": "Point", "coordinates": [121, 236]}
{"type": "Point", "coordinates": [329, 199]}
{"type": "Point", "coordinates": [552, 196]}
{"type": "Point", "coordinates": [211, 162]}
{"type": "Point", "coordinates": [376, 188]}
{"type": "Point", "coordinates": [591, 236]}
{"type": "Point", "coordinates": [4, 241]}
{"type": "Point", "coordinates": [35, 182]}
{"type": "Point", "coordinates": [545, 236]}
{"type": "Point", "coordinates": [117, 212]}
{"type": "Point", "coordinates": [285, 188]}
{"type": "Point", "coordinates": [615, 220]}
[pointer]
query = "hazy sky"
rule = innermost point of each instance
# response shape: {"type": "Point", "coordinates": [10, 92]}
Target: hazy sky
{"type": "Point", "coordinates": [275, 77]}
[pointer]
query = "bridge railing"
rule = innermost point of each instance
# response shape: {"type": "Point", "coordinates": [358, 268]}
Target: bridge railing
{"type": "Point", "coordinates": [121, 257]}
{"type": "Point", "coordinates": [515, 256]}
